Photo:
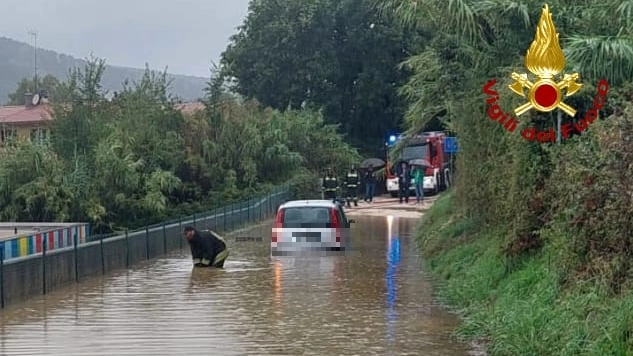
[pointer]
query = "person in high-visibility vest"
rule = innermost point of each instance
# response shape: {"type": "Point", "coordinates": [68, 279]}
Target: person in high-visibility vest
{"type": "Point", "coordinates": [208, 249]}
{"type": "Point", "coordinates": [330, 185]}
{"type": "Point", "coordinates": [352, 181]}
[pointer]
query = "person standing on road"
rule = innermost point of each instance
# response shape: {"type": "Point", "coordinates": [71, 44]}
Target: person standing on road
{"type": "Point", "coordinates": [418, 181]}
{"type": "Point", "coordinates": [404, 181]}
{"type": "Point", "coordinates": [352, 181]}
{"type": "Point", "coordinates": [208, 249]}
{"type": "Point", "coordinates": [330, 184]}
{"type": "Point", "coordinates": [370, 184]}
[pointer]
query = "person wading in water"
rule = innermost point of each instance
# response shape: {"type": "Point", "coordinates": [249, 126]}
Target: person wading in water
{"type": "Point", "coordinates": [208, 249]}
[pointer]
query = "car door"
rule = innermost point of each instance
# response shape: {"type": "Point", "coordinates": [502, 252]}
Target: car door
{"type": "Point", "coordinates": [343, 217]}
{"type": "Point", "coordinates": [345, 224]}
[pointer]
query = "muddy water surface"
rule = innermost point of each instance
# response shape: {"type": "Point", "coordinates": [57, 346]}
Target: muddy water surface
{"type": "Point", "coordinates": [372, 302]}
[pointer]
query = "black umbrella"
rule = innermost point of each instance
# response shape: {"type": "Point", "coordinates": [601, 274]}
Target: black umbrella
{"type": "Point", "coordinates": [374, 162]}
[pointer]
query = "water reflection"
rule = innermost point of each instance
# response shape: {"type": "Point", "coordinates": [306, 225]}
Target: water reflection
{"type": "Point", "coordinates": [374, 302]}
{"type": "Point", "coordinates": [277, 283]}
{"type": "Point", "coordinates": [393, 260]}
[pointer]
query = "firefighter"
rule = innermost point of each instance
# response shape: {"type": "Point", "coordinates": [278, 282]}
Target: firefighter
{"type": "Point", "coordinates": [208, 249]}
{"type": "Point", "coordinates": [370, 184]}
{"type": "Point", "coordinates": [352, 181]}
{"type": "Point", "coordinates": [330, 185]}
{"type": "Point", "coordinates": [404, 181]}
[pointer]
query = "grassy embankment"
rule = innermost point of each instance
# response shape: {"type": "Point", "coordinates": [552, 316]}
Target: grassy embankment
{"type": "Point", "coordinates": [522, 310]}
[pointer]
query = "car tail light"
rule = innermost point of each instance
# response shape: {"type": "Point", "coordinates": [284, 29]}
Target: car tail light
{"type": "Point", "coordinates": [336, 224]}
{"type": "Point", "coordinates": [277, 226]}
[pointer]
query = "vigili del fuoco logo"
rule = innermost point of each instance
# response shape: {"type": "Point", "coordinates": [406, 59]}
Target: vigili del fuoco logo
{"type": "Point", "coordinates": [545, 59]}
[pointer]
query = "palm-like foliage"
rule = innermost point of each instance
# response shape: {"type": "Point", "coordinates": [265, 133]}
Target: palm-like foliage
{"type": "Point", "coordinates": [569, 200]}
{"type": "Point", "coordinates": [137, 159]}
{"type": "Point", "coordinates": [474, 39]}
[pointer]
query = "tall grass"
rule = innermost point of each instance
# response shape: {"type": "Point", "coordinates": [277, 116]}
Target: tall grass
{"type": "Point", "coordinates": [522, 310]}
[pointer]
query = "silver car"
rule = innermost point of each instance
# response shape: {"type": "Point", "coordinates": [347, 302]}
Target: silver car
{"type": "Point", "coordinates": [310, 225]}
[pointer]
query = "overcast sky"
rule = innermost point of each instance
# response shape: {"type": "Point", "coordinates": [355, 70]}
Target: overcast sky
{"type": "Point", "coordinates": [185, 35]}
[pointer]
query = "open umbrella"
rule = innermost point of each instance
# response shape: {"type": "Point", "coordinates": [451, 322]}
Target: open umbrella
{"type": "Point", "coordinates": [420, 162]}
{"type": "Point", "coordinates": [374, 162]}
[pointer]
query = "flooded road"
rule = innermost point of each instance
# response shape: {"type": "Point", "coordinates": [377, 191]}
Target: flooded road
{"type": "Point", "coordinates": [373, 302]}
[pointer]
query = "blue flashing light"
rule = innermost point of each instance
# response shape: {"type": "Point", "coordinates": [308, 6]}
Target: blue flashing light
{"type": "Point", "coordinates": [392, 139]}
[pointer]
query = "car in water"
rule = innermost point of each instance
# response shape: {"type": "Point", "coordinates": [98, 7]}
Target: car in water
{"type": "Point", "coordinates": [310, 226]}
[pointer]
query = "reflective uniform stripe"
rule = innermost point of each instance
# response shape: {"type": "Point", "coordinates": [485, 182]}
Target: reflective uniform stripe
{"type": "Point", "coordinates": [354, 178]}
{"type": "Point", "coordinates": [217, 236]}
{"type": "Point", "coordinates": [329, 184]}
{"type": "Point", "coordinates": [205, 261]}
{"type": "Point", "coordinates": [221, 257]}
{"type": "Point", "coordinates": [196, 260]}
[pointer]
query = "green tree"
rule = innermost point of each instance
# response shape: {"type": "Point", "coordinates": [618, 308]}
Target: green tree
{"type": "Point", "coordinates": [56, 90]}
{"type": "Point", "coordinates": [339, 56]}
{"type": "Point", "coordinates": [523, 184]}
{"type": "Point", "coordinates": [136, 159]}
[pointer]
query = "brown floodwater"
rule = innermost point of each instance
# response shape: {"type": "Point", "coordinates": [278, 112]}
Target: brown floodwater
{"type": "Point", "coordinates": [374, 301]}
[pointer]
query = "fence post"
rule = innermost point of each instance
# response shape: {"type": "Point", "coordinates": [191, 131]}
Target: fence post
{"type": "Point", "coordinates": [248, 211]}
{"type": "Point", "coordinates": [232, 216]}
{"type": "Point", "coordinates": [224, 218]}
{"type": "Point", "coordinates": [194, 221]}
{"type": "Point", "coordinates": [239, 211]}
{"type": "Point", "coordinates": [103, 271]}
{"type": "Point", "coordinates": [164, 240]}
{"type": "Point", "coordinates": [44, 248]}
{"type": "Point", "coordinates": [75, 252]}
{"type": "Point", "coordinates": [215, 216]}
{"type": "Point", "coordinates": [1, 274]}
{"type": "Point", "coordinates": [180, 231]}
{"type": "Point", "coordinates": [147, 241]}
{"type": "Point", "coordinates": [127, 248]}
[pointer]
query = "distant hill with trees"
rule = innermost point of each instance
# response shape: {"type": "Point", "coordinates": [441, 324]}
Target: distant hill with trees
{"type": "Point", "coordinates": [16, 63]}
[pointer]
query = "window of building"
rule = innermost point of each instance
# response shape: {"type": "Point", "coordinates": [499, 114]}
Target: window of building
{"type": "Point", "coordinates": [40, 136]}
{"type": "Point", "coordinates": [8, 135]}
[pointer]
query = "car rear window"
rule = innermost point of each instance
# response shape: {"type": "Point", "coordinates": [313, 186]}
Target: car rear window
{"type": "Point", "coordinates": [306, 215]}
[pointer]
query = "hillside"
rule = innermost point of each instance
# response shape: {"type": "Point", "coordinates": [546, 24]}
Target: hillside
{"type": "Point", "coordinates": [16, 62]}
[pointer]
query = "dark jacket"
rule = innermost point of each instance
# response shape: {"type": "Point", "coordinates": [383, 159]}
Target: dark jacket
{"type": "Point", "coordinates": [206, 245]}
{"type": "Point", "coordinates": [352, 180]}
{"type": "Point", "coordinates": [404, 176]}
{"type": "Point", "coordinates": [330, 183]}
{"type": "Point", "coordinates": [370, 176]}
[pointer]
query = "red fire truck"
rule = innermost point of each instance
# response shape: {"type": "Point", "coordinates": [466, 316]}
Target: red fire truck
{"type": "Point", "coordinates": [427, 146]}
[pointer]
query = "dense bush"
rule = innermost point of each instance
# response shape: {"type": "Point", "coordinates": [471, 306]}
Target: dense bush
{"type": "Point", "coordinates": [137, 159]}
{"type": "Point", "coordinates": [528, 190]}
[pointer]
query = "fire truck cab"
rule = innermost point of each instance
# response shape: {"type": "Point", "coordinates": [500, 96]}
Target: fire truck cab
{"type": "Point", "coordinates": [427, 146]}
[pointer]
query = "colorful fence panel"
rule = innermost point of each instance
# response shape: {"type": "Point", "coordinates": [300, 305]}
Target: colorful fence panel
{"type": "Point", "coordinates": [53, 239]}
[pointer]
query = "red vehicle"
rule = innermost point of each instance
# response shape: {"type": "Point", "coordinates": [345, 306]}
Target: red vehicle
{"type": "Point", "coordinates": [429, 147]}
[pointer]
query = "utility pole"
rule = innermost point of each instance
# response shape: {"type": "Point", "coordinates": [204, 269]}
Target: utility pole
{"type": "Point", "coordinates": [34, 34]}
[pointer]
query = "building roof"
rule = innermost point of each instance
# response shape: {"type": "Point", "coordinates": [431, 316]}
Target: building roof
{"type": "Point", "coordinates": [21, 114]}
{"type": "Point", "coordinates": [190, 108]}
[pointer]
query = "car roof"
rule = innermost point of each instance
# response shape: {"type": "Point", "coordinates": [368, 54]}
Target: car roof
{"type": "Point", "coordinates": [309, 203]}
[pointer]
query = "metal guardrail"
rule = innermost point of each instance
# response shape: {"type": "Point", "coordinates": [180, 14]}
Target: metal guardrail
{"type": "Point", "coordinates": [100, 254]}
{"type": "Point", "coordinates": [224, 218]}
